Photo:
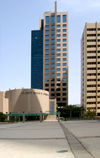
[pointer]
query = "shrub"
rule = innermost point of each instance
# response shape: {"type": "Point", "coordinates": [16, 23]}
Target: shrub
{"type": "Point", "coordinates": [2, 117]}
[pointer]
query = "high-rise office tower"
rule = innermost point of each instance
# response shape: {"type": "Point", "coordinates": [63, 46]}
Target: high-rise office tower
{"type": "Point", "coordinates": [55, 55]}
{"type": "Point", "coordinates": [90, 67]}
{"type": "Point", "coordinates": [37, 58]}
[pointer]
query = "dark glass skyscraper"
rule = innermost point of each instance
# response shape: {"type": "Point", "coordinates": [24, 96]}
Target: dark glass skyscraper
{"type": "Point", "coordinates": [37, 59]}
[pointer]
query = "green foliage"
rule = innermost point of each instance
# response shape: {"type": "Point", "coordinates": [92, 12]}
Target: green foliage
{"type": "Point", "coordinates": [70, 107]}
{"type": "Point", "coordinates": [89, 114]}
{"type": "Point", "coordinates": [2, 117]}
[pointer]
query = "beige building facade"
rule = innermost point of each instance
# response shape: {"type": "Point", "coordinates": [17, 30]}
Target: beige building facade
{"type": "Point", "coordinates": [55, 56]}
{"type": "Point", "coordinates": [25, 100]}
{"type": "Point", "coordinates": [90, 67]}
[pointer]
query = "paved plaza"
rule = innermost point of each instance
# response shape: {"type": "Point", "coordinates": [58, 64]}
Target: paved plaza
{"type": "Point", "coordinates": [50, 139]}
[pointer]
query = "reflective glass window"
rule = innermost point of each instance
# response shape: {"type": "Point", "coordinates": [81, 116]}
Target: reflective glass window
{"type": "Point", "coordinates": [46, 60]}
{"type": "Point", "coordinates": [58, 18]}
{"type": "Point", "coordinates": [46, 55]}
{"type": "Point", "coordinates": [52, 84]}
{"type": "Point", "coordinates": [46, 75]}
{"type": "Point", "coordinates": [52, 26]}
{"type": "Point", "coordinates": [58, 94]}
{"type": "Point", "coordinates": [58, 40]}
{"type": "Point", "coordinates": [64, 54]}
{"type": "Point", "coordinates": [46, 70]}
{"type": "Point", "coordinates": [52, 70]}
{"type": "Point", "coordinates": [58, 64]}
{"type": "Point", "coordinates": [58, 84]}
{"type": "Point", "coordinates": [53, 19]}
{"type": "Point", "coordinates": [64, 25]}
{"type": "Point", "coordinates": [46, 65]}
{"type": "Point", "coordinates": [64, 89]}
{"type": "Point", "coordinates": [64, 99]}
{"type": "Point", "coordinates": [52, 79]}
{"type": "Point", "coordinates": [47, 26]}
{"type": "Point", "coordinates": [52, 36]}
{"type": "Point", "coordinates": [46, 80]}
{"type": "Point", "coordinates": [64, 30]}
{"type": "Point", "coordinates": [52, 45]}
{"type": "Point", "coordinates": [64, 94]}
{"type": "Point", "coordinates": [52, 50]}
{"type": "Point", "coordinates": [64, 18]}
{"type": "Point", "coordinates": [52, 75]}
{"type": "Point", "coordinates": [58, 59]}
{"type": "Point", "coordinates": [46, 41]}
{"type": "Point", "coordinates": [52, 60]}
{"type": "Point", "coordinates": [59, 74]}
{"type": "Point", "coordinates": [58, 50]}
{"type": "Point", "coordinates": [64, 74]}
{"type": "Point", "coordinates": [58, 69]}
{"type": "Point", "coordinates": [58, 45]}
{"type": "Point", "coordinates": [46, 36]}
{"type": "Point", "coordinates": [64, 45]}
{"type": "Point", "coordinates": [58, 26]}
{"type": "Point", "coordinates": [64, 79]}
{"type": "Point", "coordinates": [47, 50]}
{"type": "Point", "coordinates": [58, 79]}
{"type": "Point", "coordinates": [47, 45]}
{"type": "Point", "coordinates": [52, 55]}
{"type": "Point", "coordinates": [64, 49]}
{"type": "Point", "coordinates": [46, 85]}
{"type": "Point", "coordinates": [47, 19]}
{"type": "Point", "coordinates": [64, 69]}
{"type": "Point", "coordinates": [52, 31]}
{"type": "Point", "coordinates": [64, 40]}
{"type": "Point", "coordinates": [52, 89]}
{"type": "Point", "coordinates": [64, 59]}
{"type": "Point", "coordinates": [64, 64]}
{"type": "Point", "coordinates": [52, 65]}
{"type": "Point", "coordinates": [58, 55]}
{"type": "Point", "coordinates": [46, 31]}
{"type": "Point", "coordinates": [64, 84]}
{"type": "Point", "coordinates": [52, 40]}
{"type": "Point", "coordinates": [58, 30]}
{"type": "Point", "coordinates": [52, 94]}
{"type": "Point", "coordinates": [58, 35]}
{"type": "Point", "coordinates": [64, 35]}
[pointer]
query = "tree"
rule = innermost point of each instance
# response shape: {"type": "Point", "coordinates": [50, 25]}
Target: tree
{"type": "Point", "coordinates": [2, 117]}
{"type": "Point", "coordinates": [80, 110]}
{"type": "Point", "coordinates": [90, 114]}
{"type": "Point", "coordinates": [70, 107]}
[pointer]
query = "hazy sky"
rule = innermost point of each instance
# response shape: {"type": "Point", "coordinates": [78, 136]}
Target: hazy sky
{"type": "Point", "coordinates": [19, 17]}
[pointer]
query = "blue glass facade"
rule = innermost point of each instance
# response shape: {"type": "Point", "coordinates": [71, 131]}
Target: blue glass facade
{"type": "Point", "coordinates": [37, 59]}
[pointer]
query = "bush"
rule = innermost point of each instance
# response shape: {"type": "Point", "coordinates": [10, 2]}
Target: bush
{"type": "Point", "coordinates": [2, 117]}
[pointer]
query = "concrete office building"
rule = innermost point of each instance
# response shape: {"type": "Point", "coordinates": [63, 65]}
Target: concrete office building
{"type": "Point", "coordinates": [90, 67]}
{"type": "Point", "coordinates": [55, 55]}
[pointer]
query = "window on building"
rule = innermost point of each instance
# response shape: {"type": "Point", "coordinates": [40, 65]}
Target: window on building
{"type": "Point", "coordinates": [64, 54]}
{"type": "Point", "coordinates": [46, 75]}
{"type": "Point", "coordinates": [58, 55]}
{"type": "Point", "coordinates": [58, 26]}
{"type": "Point", "coordinates": [52, 89]}
{"type": "Point", "coordinates": [47, 19]}
{"type": "Point", "coordinates": [58, 84]}
{"type": "Point", "coordinates": [52, 94]}
{"type": "Point", "coordinates": [58, 94]}
{"type": "Point", "coordinates": [52, 60]}
{"type": "Point", "coordinates": [64, 89]}
{"type": "Point", "coordinates": [46, 60]}
{"type": "Point", "coordinates": [46, 36]}
{"type": "Point", "coordinates": [52, 75]}
{"type": "Point", "coordinates": [58, 35]}
{"type": "Point", "coordinates": [47, 26]}
{"type": "Point", "coordinates": [64, 94]}
{"type": "Point", "coordinates": [52, 70]}
{"type": "Point", "coordinates": [52, 36]}
{"type": "Point", "coordinates": [52, 50]}
{"type": "Point", "coordinates": [46, 65]}
{"type": "Point", "coordinates": [64, 49]}
{"type": "Point", "coordinates": [52, 26]}
{"type": "Point", "coordinates": [52, 19]}
{"type": "Point", "coordinates": [52, 31]}
{"type": "Point", "coordinates": [58, 18]}
{"type": "Point", "coordinates": [46, 55]}
{"type": "Point", "coordinates": [47, 50]}
{"type": "Point", "coordinates": [52, 79]}
{"type": "Point", "coordinates": [46, 80]}
{"type": "Point", "coordinates": [52, 84]}
{"type": "Point", "coordinates": [64, 79]}
{"type": "Point", "coordinates": [64, 25]}
{"type": "Point", "coordinates": [64, 74]}
{"type": "Point", "coordinates": [64, 64]}
{"type": "Point", "coordinates": [47, 45]}
{"type": "Point", "coordinates": [46, 70]}
{"type": "Point", "coordinates": [58, 74]}
{"type": "Point", "coordinates": [52, 65]}
{"type": "Point", "coordinates": [58, 69]}
{"type": "Point", "coordinates": [58, 45]}
{"type": "Point", "coordinates": [64, 35]}
{"type": "Point", "coordinates": [58, 40]}
{"type": "Point", "coordinates": [64, 59]}
{"type": "Point", "coordinates": [52, 40]}
{"type": "Point", "coordinates": [64, 45]}
{"type": "Point", "coordinates": [58, 99]}
{"type": "Point", "coordinates": [58, 64]}
{"type": "Point", "coordinates": [58, 50]}
{"type": "Point", "coordinates": [46, 85]}
{"type": "Point", "coordinates": [58, 59]}
{"type": "Point", "coordinates": [64, 18]}
{"type": "Point", "coordinates": [64, 30]}
{"type": "Point", "coordinates": [64, 99]}
{"type": "Point", "coordinates": [64, 69]}
{"type": "Point", "coordinates": [46, 31]}
{"type": "Point", "coordinates": [64, 40]}
{"type": "Point", "coordinates": [46, 41]}
{"type": "Point", "coordinates": [58, 79]}
{"type": "Point", "coordinates": [58, 89]}
{"type": "Point", "coordinates": [52, 55]}
{"type": "Point", "coordinates": [58, 30]}
{"type": "Point", "coordinates": [64, 84]}
{"type": "Point", "coordinates": [52, 45]}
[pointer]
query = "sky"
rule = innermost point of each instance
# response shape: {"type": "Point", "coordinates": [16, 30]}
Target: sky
{"type": "Point", "coordinates": [19, 17]}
